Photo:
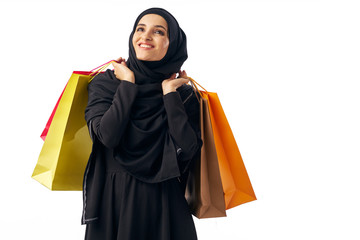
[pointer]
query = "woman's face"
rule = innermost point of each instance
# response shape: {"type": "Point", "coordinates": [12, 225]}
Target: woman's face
{"type": "Point", "coordinates": [150, 39]}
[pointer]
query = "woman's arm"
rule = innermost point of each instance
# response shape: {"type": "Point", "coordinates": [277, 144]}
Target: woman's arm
{"type": "Point", "coordinates": [112, 110]}
{"type": "Point", "coordinates": [184, 123]}
{"type": "Point", "coordinates": [110, 127]}
{"type": "Point", "coordinates": [111, 96]}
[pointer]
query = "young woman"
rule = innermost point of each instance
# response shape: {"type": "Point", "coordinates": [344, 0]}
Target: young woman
{"type": "Point", "coordinates": [144, 122]}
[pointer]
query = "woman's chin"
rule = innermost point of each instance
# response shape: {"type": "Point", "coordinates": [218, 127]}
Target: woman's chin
{"type": "Point", "coordinates": [147, 57]}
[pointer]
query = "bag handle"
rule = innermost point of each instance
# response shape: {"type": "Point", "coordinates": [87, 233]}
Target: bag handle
{"type": "Point", "coordinates": [196, 86]}
{"type": "Point", "coordinates": [99, 69]}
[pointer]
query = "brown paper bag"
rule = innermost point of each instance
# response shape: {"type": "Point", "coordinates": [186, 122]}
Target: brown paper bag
{"type": "Point", "coordinates": [204, 191]}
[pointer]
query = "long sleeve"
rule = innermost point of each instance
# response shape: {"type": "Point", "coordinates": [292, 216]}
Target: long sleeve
{"type": "Point", "coordinates": [107, 116]}
{"type": "Point", "coordinates": [110, 127]}
{"type": "Point", "coordinates": [184, 123]}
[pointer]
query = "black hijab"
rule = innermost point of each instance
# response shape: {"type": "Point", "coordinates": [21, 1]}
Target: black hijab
{"type": "Point", "coordinates": [156, 71]}
{"type": "Point", "coordinates": [147, 150]}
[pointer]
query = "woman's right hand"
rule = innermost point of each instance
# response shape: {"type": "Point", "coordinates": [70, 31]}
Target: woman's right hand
{"type": "Point", "coordinates": [122, 72]}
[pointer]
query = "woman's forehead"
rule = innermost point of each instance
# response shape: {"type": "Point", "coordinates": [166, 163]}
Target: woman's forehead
{"type": "Point", "coordinates": [153, 20]}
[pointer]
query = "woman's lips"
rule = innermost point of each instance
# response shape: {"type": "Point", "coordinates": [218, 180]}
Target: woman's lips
{"type": "Point", "coordinates": [145, 46]}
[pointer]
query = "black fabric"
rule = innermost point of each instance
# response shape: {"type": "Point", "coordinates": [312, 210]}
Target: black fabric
{"type": "Point", "coordinates": [182, 109]}
{"type": "Point", "coordinates": [134, 210]}
{"type": "Point", "coordinates": [143, 143]}
{"type": "Point", "coordinates": [153, 155]}
{"type": "Point", "coordinates": [93, 184]}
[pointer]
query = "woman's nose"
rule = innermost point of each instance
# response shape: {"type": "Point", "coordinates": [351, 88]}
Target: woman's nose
{"type": "Point", "coordinates": [146, 35]}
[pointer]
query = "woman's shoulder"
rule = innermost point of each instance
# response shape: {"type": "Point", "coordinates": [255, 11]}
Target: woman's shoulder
{"type": "Point", "coordinates": [185, 90]}
{"type": "Point", "coordinates": [105, 81]}
{"type": "Point", "coordinates": [187, 94]}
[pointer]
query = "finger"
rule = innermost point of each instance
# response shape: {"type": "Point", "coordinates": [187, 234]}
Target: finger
{"type": "Point", "coordinates": [185, 80]}
{"type": "Point", "coordinates": [182, 74]}
{"type": "Point", "coordinates": [114, 64]}
{"type": "Point", "coordinates": [180, 81]}
{"type": "Point", "coordinates": [173, 76]}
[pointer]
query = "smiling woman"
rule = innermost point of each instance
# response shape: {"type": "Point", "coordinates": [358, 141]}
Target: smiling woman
{"type": "Point", "coordinates": [151, 39]}
{"type": "Point", "coordinates": [145, 128]}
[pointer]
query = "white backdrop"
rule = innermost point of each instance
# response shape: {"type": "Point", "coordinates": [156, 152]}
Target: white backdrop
{"type": "Point", "coordinates": [287, 73]}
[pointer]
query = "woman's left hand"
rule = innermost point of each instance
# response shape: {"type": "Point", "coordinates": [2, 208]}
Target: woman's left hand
{"type": "Point", "coordinates": [171, 84]}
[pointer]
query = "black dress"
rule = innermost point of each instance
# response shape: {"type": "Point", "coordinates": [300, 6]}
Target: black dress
{"type": "Point", "coordinates": [120, 203]}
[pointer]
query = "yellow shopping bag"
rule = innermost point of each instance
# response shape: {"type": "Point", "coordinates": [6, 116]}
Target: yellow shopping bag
{"type": "Point", "coordinates": [67, 143]}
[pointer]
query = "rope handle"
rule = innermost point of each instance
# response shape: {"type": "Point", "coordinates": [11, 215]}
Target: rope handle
{"type": "Point", "coordinates": [196, 86]}
{"type": "Point", "coordinates": [102, 66]}
{"type": "Point", "coordinates": [99, 69]}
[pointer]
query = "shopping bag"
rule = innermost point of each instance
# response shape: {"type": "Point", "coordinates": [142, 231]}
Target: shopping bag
{"type": "Point", "coordinates": [67, 144]}
{"type": "Point", "coordinates": [46, 129]}
{"type": "Point", "coordinates": [204, 191]}
{"type": "Point", "coordinates": [92, 73]}
{"type": "Point", "coordinates": [234, 177]}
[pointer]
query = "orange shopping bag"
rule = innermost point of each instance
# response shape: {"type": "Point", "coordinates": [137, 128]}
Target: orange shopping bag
{"type": "Point", "coordinates": [235, 180]}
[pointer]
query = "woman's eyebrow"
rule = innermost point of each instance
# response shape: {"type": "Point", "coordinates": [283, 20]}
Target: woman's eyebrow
{"type": "Point", "coordinates": [160, 26]}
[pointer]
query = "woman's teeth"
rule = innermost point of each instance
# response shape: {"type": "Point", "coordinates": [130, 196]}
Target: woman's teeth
{"type": "Point", "coordinates": [145, 46]}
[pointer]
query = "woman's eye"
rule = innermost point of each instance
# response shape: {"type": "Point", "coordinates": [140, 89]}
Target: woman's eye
{"type": "Point", "coordinates": [160, 32]}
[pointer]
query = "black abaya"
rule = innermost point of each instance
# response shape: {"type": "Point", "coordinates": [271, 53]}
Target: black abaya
{"type": "Point", "coordinates": [134, 210]}
{"type": "Point", "coordinates": [118, 203]}
{"type": "Point", "coordinates": [143, 144]}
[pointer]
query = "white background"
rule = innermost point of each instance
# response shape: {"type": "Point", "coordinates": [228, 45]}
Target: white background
{"type": "Point", "coordinates": [287, 74]}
